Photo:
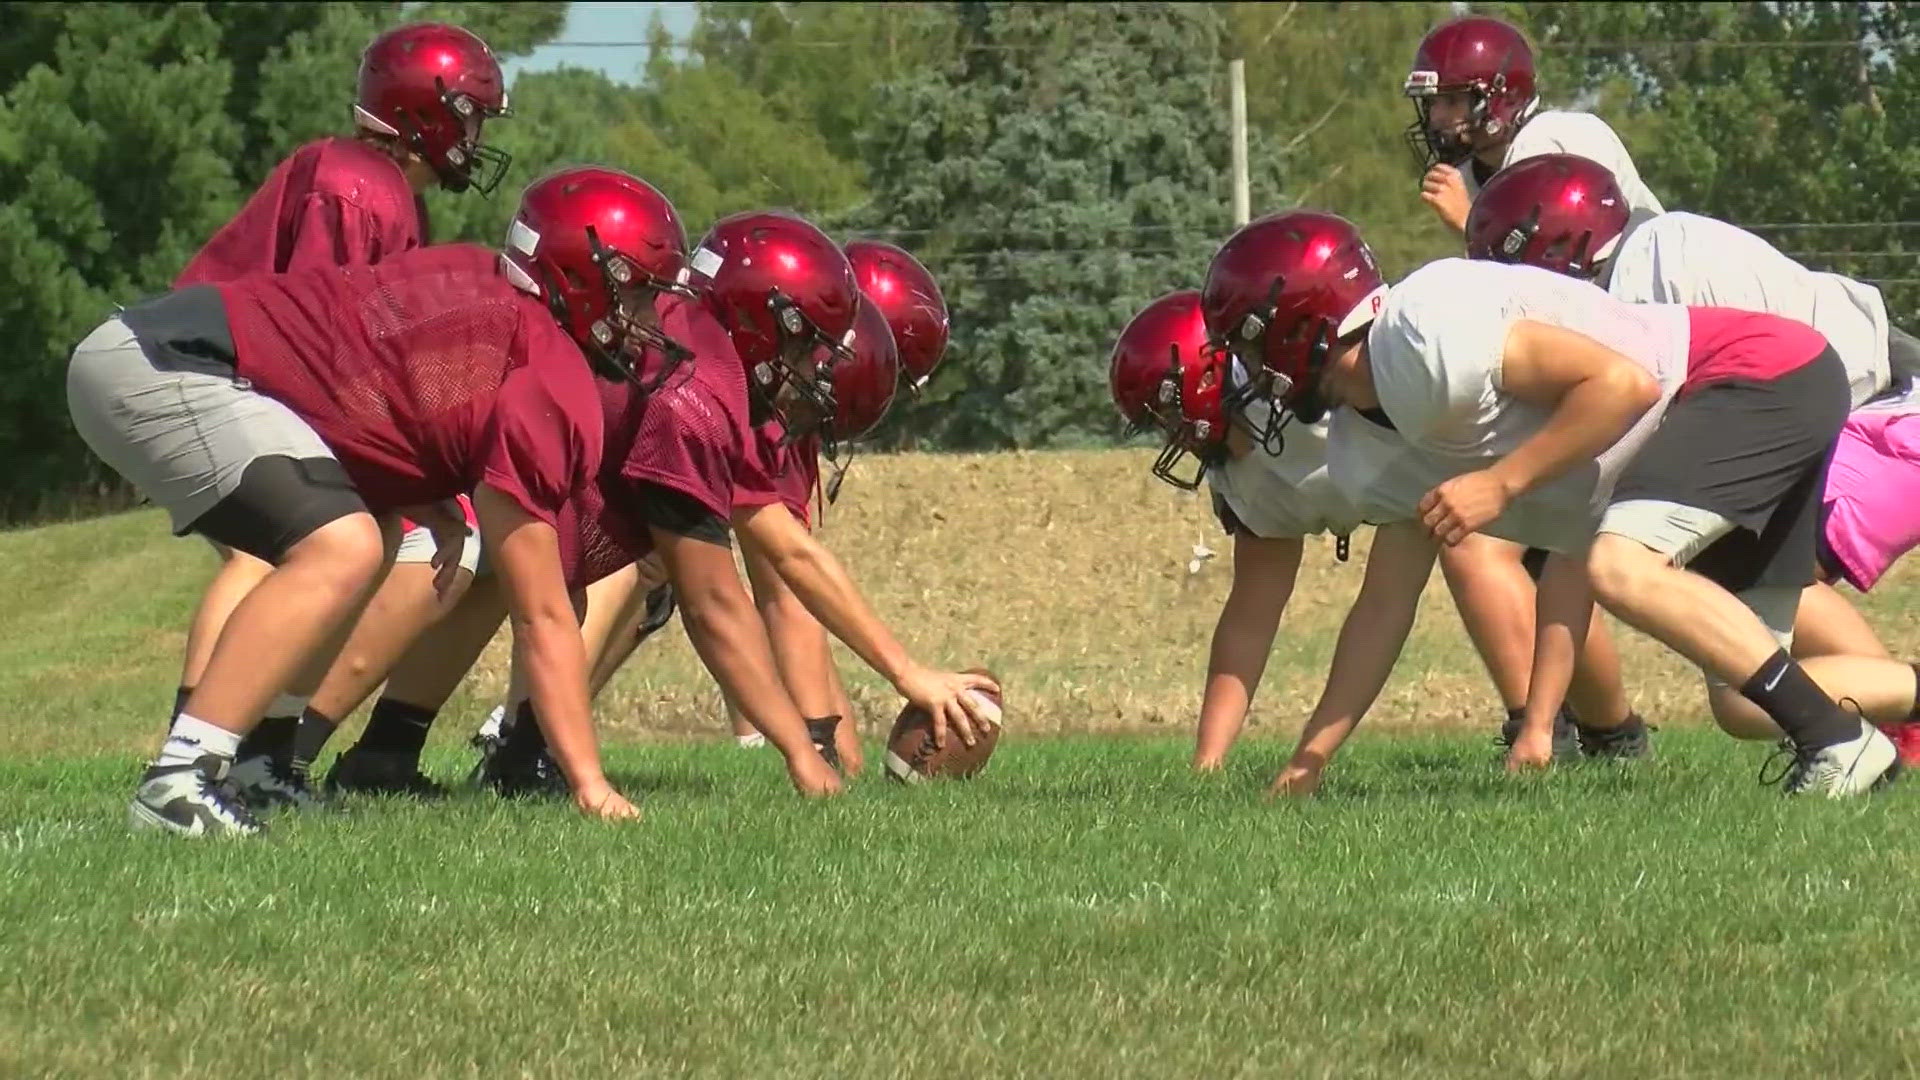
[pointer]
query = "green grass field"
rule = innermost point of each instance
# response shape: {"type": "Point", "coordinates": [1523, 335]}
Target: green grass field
{"type": "Point", "coordinates": [1086, 907]}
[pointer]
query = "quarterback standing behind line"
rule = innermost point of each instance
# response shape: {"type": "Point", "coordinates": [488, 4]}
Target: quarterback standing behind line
{"type": "Point", "coordinates": [1570, 421]}
{"type": "Point", "coordinates": [423, 95]}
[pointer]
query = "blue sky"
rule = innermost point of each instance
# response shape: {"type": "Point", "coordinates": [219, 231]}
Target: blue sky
{"type": "Point", "coordinates": [592, 23]}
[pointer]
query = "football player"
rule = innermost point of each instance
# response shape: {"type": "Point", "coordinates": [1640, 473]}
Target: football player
{"type": "Point", "coordinates": [425, 91]}
{"type": "Point", "coordinates": [1567, 214]}
{"type": "Point", "coordinates": [907, 295]}
{"type": "Point", "coordinates": [1270, 490]}
{"type": "Point", "coordinates": [1669, 457]}
{"type": "Point", "coordinates": [1477, 111]}
{"type": "Point", "coordinates": [293, 416]}
{"type": "Point", "coordinates": [782, 310]}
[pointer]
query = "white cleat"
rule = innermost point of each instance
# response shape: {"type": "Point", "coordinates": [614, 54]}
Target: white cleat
{"type": "Point", "coordinates": [1854, 767]}
{"type": "Point", "coordinates": [265, 784]}
{"type": "Point", "coordinates": [191, 800]}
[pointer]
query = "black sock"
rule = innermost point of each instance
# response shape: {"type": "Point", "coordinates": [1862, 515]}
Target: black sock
{"type": "Point", "coordinates": [1785, 692]}
{"type": "Point", "coordinates": [311, 737]}
{"type": "Point", "coordinates": [524, 740]}
{"type": "Point", "coordinates": [271, 738]}
{"type": "Point", "coordinates": [180, 696]}
{"type": "Point", "coordinates": [396, 727]}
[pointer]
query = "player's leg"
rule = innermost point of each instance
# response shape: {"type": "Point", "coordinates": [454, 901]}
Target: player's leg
{"type": "Point", "coordinates": [244, 471]}
{"type": "Point", "coordinates": [805, 660]}
{"type": "Point", "coordinates": [237, 575]}
{"type": "Point", "coordinates": [1492, 582]}
{"type": "Point", "coordinates": [1826, 624]}
{"type": "Point", "coordinates": [1756, 452]}
{"type": "Point", "coordinates": [392, 643]}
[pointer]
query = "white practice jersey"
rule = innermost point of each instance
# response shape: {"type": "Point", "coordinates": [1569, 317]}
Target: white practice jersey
{"type": "Point", "coordinates": [1688, 259]}
{"type": "Point", "coordinates": [1584, 135]}
{"type": "Point", "coordinates": [1436, 354]}
{"type": "Point", "coordinates": [1287, 495]}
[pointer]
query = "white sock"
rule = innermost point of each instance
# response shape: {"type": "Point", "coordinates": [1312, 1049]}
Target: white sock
{"type": "Point", "coordinates": [752, 741]}
{"type": "Point", "coordinates": [191, 738]}
{"type": "Point", "coordinates": [288, 705]}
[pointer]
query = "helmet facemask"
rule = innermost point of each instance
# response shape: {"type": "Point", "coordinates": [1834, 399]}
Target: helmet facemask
{"type": "Point", "coordinates": [1455, 145]}
{"type": "Point", "coordinates": [796, 384]}
{"type": "Point", "coordinates": [621, 337]}
{"type": "Point", "coordinates": [1202, 438]}
{"type": "Point", "coordinates": [467, 163]}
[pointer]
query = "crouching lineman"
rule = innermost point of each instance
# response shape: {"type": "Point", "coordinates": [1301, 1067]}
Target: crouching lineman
{"type": "Point", "coordinates": [424, 93]}
{"type": "Point", "coordinates": [786, 316]}
{"type": "Point", "coordinates": [1567, 214]}
{"type": "Point", "coordinates": [278, 415]}
{"type": "Point", "coordinates": [1542, 407]}
{"type": "Point", "coordinates": [902, 290]}
{"type": "Point", "coordinates": [1270, 489]}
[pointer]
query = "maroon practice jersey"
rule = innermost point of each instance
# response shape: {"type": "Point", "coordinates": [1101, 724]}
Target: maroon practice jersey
{"type": "Point", "coordinates": [692, 436]}
{"type": "Point", "coordinates": [426, 374]}
{"type": "Point", "coordinates": [335, 201]}
{"type": "Point", "coordinates": [792, 470]}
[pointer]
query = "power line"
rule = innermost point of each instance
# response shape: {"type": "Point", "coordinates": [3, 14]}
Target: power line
{"type": "Point", "coordinates": [687, 44]}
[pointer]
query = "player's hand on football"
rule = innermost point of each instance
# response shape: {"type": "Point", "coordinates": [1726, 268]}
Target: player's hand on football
{"type": "Point", "coordinates": [448, 525]}
{"type": "Point", "coordinates": [603, 802]}
{"type": "Point", "coordinates": [1444, 189]}
{"type": "Point", "coordinates": [1463, 505]}
{"type": "Point", "coordinates": [943, 694]}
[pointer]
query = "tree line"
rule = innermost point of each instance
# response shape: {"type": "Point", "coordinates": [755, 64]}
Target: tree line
{"type": "Point", "coordinates": [1055, 165]}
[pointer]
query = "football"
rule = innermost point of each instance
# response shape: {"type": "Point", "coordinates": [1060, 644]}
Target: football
{"type": "Point", "coordinates": [912, 758]}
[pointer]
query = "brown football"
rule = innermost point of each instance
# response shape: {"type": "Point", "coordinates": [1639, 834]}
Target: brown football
{"type": "Point", "coordinates": [912, 757]}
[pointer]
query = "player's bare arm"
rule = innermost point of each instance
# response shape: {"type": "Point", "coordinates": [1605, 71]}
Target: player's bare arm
{"type": "Point", "coordinates": [1264, 571]}
{"type": "Point", "coordinates": [1595, 395]}
{"type": "Point", "coordinates": [546, 636]}
{"type": "Point", "coordinates": [823, 585]}
{"type": "Point", "coordinates": [1370, 641]}
{"type": "Point", "coordinates": [1563, 612]}
{"type": "Point", "coordinates": [725, 629]}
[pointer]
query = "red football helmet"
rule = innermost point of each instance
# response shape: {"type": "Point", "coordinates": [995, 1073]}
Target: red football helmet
{"type": "Point", "coordinates": [1482, 57]}
{"type": "Point", "coordinates": [1560, 212]}
{"type": "Point", "coordinates": [432, 86]}
{"type": "Point", "coordinates": [787, 296]}
{"type": "Point", "coordinates": [909, 297]}
{"type": "Point", "coordinates": [586, 241]}
{"type": "Point", "coordinates": [864, 382]}
{"type": "Point", "coordinates": [1165, 374]}
{"type": "Point", "coordinates": [1281, 292]}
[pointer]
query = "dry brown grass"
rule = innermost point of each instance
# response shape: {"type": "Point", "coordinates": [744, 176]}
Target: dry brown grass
{"type": "Point", "coordinates": [1066, 572]}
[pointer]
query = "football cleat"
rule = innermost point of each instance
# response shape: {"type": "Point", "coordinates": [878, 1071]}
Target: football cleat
{"type": "Point", "coordinates": [1566, 736]}
{"type": "Point", "coordinates": [1855, 767]}
{"type": "Point", "coordinates": [377, 772]}
{"type": "Point", "coordinates": [1629, 740]}
{"type": "Point", "coordinates": [265, 784]}
{"type": "Point", "coordinates": [191, 800]}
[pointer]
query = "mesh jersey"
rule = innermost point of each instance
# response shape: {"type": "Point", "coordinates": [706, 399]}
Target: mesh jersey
{"type": "Point", "coordinates": [691, 435]}
{"type": "Point", "coordinates": [791, 471]}
{"type": "Point", "coordinates": [335, 201]}
{"type": "Point", "coordinates": [427, 375]}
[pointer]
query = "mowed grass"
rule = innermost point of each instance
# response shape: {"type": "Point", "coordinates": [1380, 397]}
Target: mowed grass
{"type": "Point", "coordinates": [1086, 907]}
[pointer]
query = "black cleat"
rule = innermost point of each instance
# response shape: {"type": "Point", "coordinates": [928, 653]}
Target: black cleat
{"type": "Point", "coordinates": [1629, 740]}
{"type": "Point", "coordinates": [378, 772]}
{"type": "Point", "coordinates": [1566, 737]}
{"type": "Point", "coordinates": [821, 731]}
{"type": "Point", "coordinates": [514, 777]}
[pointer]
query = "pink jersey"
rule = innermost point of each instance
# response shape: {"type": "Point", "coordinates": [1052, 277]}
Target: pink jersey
{"type": "Point", "coordinates": [1872, 500]}
{"type": "Point", "coordinates": [333, 202]}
